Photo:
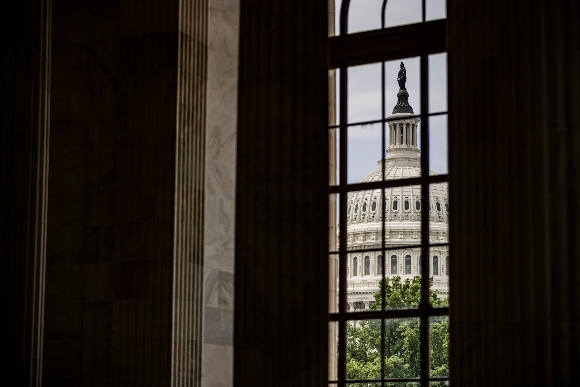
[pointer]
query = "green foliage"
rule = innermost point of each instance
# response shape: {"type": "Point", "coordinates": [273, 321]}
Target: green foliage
{"type": "Point", "coordinates": [402, 357]}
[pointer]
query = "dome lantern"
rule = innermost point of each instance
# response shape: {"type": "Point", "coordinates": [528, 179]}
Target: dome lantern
{"type": "Point", "coordinates": [403, 141]}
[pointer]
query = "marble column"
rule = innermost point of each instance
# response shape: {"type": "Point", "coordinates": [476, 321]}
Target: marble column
{"type": "Point", "coordinates": [222, 94]}
{"type": "Point", "coordinates": [24, 139]}
{"type": "Point", "coordinates": [514, 140]}
{"type": "Point", "coordinates": [125, 215]}
{"type": "Point", "coordinates": [281, 261]}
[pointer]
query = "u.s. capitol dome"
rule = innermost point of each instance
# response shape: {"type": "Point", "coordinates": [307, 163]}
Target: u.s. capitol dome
{"type": "Point", "coordinates": [402, 218]}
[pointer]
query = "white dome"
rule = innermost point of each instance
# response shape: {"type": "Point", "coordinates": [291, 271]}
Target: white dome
{"type": "Point", "coordinates": [402, 204]}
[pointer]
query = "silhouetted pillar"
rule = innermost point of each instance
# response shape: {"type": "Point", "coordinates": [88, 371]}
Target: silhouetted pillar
{"type": "Point", "coordinates": [125, 219]}
{"type": "Point", "coordinates": [281, 261]}
{"type": "Point", "coordinates": [514, 137]}
{"type": "Point", "coordinates": [24, 138]}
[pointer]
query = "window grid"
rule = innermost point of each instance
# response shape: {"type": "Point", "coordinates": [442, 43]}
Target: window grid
{"type": "Point", "coordinates": [425, 310]}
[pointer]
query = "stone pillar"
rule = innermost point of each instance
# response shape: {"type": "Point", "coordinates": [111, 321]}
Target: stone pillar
{"type": "Point", "coordinates": [514, 92]}
{"type": "Point", "coordinates": [219, 230]}
{"type": "Point", "coordinates": [24, 139]}
{"type": "Point", "coordinates": [281, 328]}
{"type": "Point", "coordinates": [125, 220]}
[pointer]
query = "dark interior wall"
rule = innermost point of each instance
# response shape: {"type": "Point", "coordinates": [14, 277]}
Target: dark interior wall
{"type": "Point", "coordinates": [125, 193]}
{"type": "Point", "coordinates": [514, 139]}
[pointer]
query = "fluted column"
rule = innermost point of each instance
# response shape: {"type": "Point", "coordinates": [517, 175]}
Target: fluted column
{"type": "Point", "coordinates": [281, 261]}
{"type": "Point", "coordinates": [24, 140]}
{"type": "Point", "coordinates": [514, 141]}
{"type": "Point", "coordinates": [125, 218]}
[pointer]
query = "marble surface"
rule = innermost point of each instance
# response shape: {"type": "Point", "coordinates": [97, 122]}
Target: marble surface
{"type": "Point", "coordinates": [222, 83]}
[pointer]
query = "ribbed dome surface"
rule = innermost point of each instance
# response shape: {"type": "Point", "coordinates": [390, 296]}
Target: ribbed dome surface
{"type": "Point", "coordinates": [401, 203]}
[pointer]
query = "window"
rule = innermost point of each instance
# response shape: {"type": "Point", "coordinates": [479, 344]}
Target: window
{"type": "Point", "coordinates": [356, 208]}
{"type": "Point", "coordinates": [435, 265]}
{"type": "Point", "coordinates": [447, 265]}
{"type": "Point", "coordinates": [354, 266]}
{"type": "Point", "coordinates": [438, 206]}
{"type": "Point", "coordinates": [364, 207]}
{"type": "Point", "coordinates": [387, 121]}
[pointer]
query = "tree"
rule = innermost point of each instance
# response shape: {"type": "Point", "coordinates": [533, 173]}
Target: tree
{"type": "Point", "coordinates": [402, 356]}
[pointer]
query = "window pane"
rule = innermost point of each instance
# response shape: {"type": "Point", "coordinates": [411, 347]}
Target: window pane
{"type": "Point", "coordinates": [367, 265]}
{"type": "Point", "coordinates": [364, 225]}
{"type": "Point", "coordinates": [333, 213]}
{"type": "Point", "coordinates": [439, 346]}
{"type": "Point", "coordinates": [394, 265]}
{"type": "Point", "coordinates": [439, 281]}
{"type": "Point", "coordinates": [438, 144]}
{"type": "Point", "coordinates": [438, 217]}
{"type": "Point", "coordinates": [364, 15]}
{"type": "Point", "coordinates": [333, 159]}
{"type": "Point", "coordinates": [436, 9]}
{"type": "Point", "coordinates": [400, 12]}
{"type": "Point", "coordinates": [393, 86]}
{"type": "Point", "coordinates": [333, 265]}
{"type": "Point", "coordinates": [364, 153]}
{"type": "Point", "coordinates": [332, 350]}
{"type": "Point", "coordinates": [438, 83]}
{"type": "Point", "coordinates": [364, 93]}
{"type": "Point", "coordinates": [402, 354]}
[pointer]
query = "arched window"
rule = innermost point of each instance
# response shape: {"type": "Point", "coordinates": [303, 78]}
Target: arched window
{"type": "Point", "coordinates": [395, 205]}
{"type": "Point", "coordinates": [379, 265]}
{"type": "Point", "coordinates": [420, 264]}
{"type": "Point", "coordinates": [356, 208]}
{"type": "Point", "coordinates": [364, 207]}
{"type": "Point", "coordinates": [393, 264]}
{"type": "Point", "coordinates": [367, 265]}
{"type": "Point", "coordinates": [418, 205]}
{"type": "Point", "coordinates": [438, 206]}
{"type": "Point", "coordinates": [348, 211]}
{"type": "Point", "coordinates": [435, 265]}
{"type": "Point", "coordinates": [354, 266]}
{"type": "Point", "coordinates": [447, 265]}
{"type": "Point", "coordinates": [374, 206]}
{"type": "Point", "coordinates": [446, 207]}
{"type": "Point", "coordinates": [407, 264]}
{"type": "Point", "coordinates": [407, 205]}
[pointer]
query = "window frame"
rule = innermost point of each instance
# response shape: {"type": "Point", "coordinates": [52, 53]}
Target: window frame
{"type": "Point", "coordinates": [347, 50]}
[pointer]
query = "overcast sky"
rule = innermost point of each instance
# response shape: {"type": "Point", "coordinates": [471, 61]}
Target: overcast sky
{"type": "Point", "coordinates": [364, 142]}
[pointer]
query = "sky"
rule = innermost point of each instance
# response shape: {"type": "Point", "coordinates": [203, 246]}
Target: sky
{"type": "Point", "coordinates": [364, 99]}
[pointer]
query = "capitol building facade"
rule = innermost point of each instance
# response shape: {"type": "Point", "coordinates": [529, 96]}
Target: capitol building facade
{"type": "Point", "coordinates": [402, 212]}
